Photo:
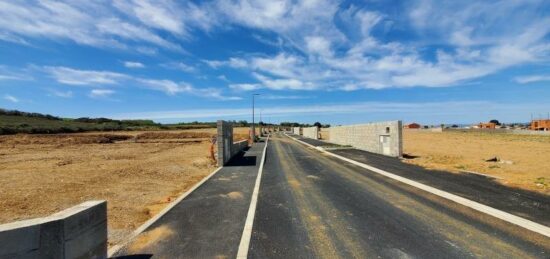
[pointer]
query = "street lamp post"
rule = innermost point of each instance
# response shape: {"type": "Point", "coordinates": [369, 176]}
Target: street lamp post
{"type": "Point", "coordinates": [260, 123]}
{"type": "Point", "coordinates": [253, 134]}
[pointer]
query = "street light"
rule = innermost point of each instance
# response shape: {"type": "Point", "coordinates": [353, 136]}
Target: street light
{"type": "Point", "coordinates": [253, 128]}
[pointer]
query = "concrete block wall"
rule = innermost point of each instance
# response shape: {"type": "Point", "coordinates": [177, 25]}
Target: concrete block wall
{"type": "Point", "coordinates": [369, 137]}
{"type": "Point", "coordinates": [226, 147]}
{"type": "Point", "coordinates": [311, 132]}
{"type": "Point", "coordinates": [77, 232]}
{"type": "Point", "coordinates": [296, 130]}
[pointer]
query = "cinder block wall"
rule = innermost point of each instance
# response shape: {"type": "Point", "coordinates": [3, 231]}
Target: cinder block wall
{"type": "Point", "coordinates": [77, 232]}
{"type": "Point", "coordinates": [296, 130]}
{"type": "Point", "coordinates": [226, 148]}
{"type": "Point", "coordinates": [311, 132]}
{"type": "Point", "coordinates": [368, 136]}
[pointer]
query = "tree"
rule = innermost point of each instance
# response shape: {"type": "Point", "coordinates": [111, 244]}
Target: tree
{"type": "Point", "coordinates": [317, 124]}
{"type": "Point", "coordinates": [495, 122]}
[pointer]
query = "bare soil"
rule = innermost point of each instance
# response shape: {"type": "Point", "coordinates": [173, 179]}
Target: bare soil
{"type": "Point", "coordinates": [138, 173]}
{"type": "Point", "coordinates": [524, 159]}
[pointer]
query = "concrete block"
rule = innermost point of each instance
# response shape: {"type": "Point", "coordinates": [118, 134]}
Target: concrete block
{"type": "Point", "coordinates": [380, 137]}
{"type": "Point", "coordinates": [88, 244]}
{"type": "Point", "coordinates": [311, 132]}
{"type": "Point", "coordinates": [78, 232]}
{"type": "Point", "coordinates": [19, 237]}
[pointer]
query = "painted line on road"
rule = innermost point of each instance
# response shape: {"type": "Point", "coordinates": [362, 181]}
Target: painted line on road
{"type": "Point", "coordinates": [152, 220]}
{"type": "Point", "coordinates": [247, 231]}
{"type": "Point", "coordinates": [519, 221]}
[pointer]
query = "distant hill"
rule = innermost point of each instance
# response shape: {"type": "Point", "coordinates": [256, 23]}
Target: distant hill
{"type": "Point", "coordinates": [12, 122]}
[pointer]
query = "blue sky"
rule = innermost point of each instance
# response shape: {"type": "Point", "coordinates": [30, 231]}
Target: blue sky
{"type": "Point", "coordinates": [337, 62]}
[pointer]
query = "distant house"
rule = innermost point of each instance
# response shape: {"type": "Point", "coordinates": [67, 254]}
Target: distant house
{"type": "Point", "coordinates": [488, 125]}
{"type": "Point", "coordinates": [540, 125]}
{"type": "Point", "coordinates": [413, 126]}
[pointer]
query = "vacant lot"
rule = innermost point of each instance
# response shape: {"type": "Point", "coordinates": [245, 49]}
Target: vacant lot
{"type": "Point", "coordinates": [524, 160]}
{"type": "Point", "coordinates": [138, 173]}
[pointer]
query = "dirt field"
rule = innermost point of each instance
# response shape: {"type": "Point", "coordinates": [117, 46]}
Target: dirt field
{"type": "Point", "coordinates": [138, 173]}
{"type": "Point", "coordinates": [524, 160]}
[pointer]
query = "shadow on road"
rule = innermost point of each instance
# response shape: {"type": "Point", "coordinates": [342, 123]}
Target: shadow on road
{"type": "Point", "coordinates": [241, 159]}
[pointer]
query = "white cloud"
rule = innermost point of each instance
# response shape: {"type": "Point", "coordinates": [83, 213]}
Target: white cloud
{"type": "Point", "coordinates": [11, 98]}
{"type": "Point", "coordinates": [285, 97]}
{"type": "Point", "coordinates": [245, 87]}
{"type": "Point", "coordinates": [215, 63]}
{"type": "Point", "coordinates": [350, 57]}
{"type": "Point", "coordinates": [173, 88]}
{"type": "Point", "coordinates": [10, 73]}
{"type": "Point", "coordinates": [180, 66]}
{"type": "Point", "coordinates": [231, 62]}
{"type": "Point", "coordinates": [318, 45]}
{"type": "Point", "coordinates": [93, 78]}
{"type": "Point", "coordinates": [159, 14]}
{"type": "Point", "coordinates": [101, 93]}
{"type": "Point", "coordinates": [167, 86]}
{"type": "Point", "coordinates": [83, 22]}
{"type": "Point", "coordinates": [62, 94]}
{"type": "Point", "coordinates": [223, 78]}
{"type": "Point", "coordinates": [132, 64]}
{"type": "Point", "coordinates": [532, 79]}
{"type": "Point", "coordinates": [284, 83]}
{"type": "Point", "coordinates": [70, 76]}
{"type": "Point", "coordinates": [11, 77]}
{"type": "Point", "coordinates": [321, 44]}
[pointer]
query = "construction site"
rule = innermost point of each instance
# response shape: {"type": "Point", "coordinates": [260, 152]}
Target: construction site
{"type": "Point", "coordinates": [177, 176]}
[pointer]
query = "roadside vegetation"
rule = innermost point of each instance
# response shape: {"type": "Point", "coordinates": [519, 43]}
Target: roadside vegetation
{"type": "Point", "coordinates": [14, 122]}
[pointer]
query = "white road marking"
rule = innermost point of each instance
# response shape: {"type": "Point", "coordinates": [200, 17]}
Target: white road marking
{"type": "Point", "coordinates": [519, 221]}
{"type": "Point", "coordinates": [247, 232]}
{"type": "Point", "coordinates": [152, 220]}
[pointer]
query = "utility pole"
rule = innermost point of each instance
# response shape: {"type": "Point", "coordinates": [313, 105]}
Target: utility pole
{"type": "Point", "coordinates": [253, 133]}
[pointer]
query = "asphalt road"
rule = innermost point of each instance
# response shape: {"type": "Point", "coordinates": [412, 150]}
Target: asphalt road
{"type": "Point", "coordinates": [209, 222]}
{"type": "Point", "coordinates": [311, 205]}
{"type": "Point", "coordinates": [526, 204]}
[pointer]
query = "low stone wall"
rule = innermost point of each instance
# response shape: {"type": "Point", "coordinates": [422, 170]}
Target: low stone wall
{"type": "Point", "coordinates": [384, 138]}
{"type": "Point", "coordinates": [77, 232]}
{"type": "Point", "coordinates": [227, 149]}
{"type": "Point", "coordinates": [311, 132]}
{"type": "Point", "coordinates": [296, 130]}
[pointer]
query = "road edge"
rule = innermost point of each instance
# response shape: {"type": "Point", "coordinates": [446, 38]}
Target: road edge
{"type": "Point", "coordinates": [244, 245]}
{"type": "Point", "coordinates": [113, 250]}
{"type": "Point", "coordinates": [502, 215]}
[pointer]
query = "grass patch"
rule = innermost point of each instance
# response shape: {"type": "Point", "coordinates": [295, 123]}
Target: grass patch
{"type": "Point", "coordinates": [541, 181]}
{"type": "Point", "coordinates": [460, 167]}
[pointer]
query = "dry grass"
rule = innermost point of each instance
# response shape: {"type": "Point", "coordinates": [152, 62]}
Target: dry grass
{"type": "Point", "coordinates": [526, 159]}
{"type": "Point", "coordinates": [138, 173]}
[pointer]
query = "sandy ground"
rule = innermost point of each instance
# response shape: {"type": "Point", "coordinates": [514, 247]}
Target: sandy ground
{"type": "Point", "coordinates": [138, 173]}
{"type": "Point", "coordinates": [525, 160]}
